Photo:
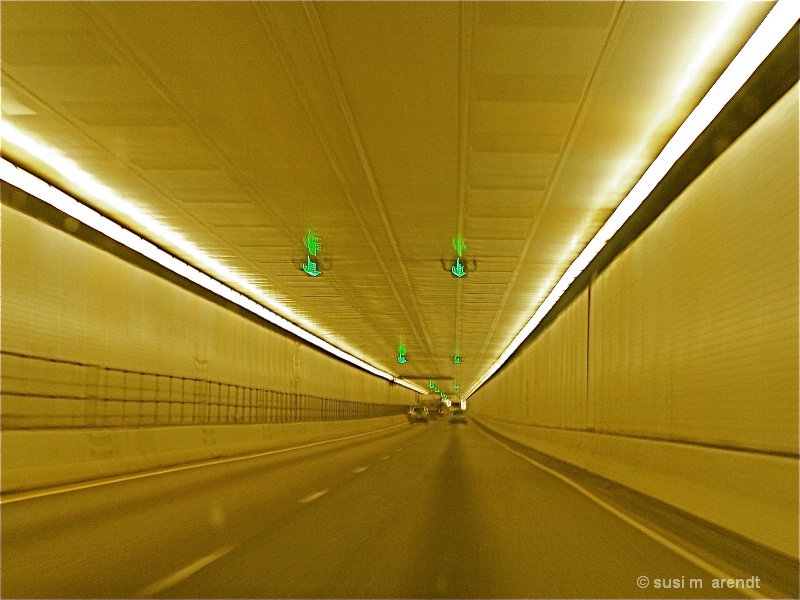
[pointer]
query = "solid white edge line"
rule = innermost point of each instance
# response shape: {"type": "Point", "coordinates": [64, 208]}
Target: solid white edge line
{"type": "Point", "coordinates": [184, 573]}
{"type": "Point", "coordinates": [74, 487]}
{"type": "Point", "coordinates": [655, 536]}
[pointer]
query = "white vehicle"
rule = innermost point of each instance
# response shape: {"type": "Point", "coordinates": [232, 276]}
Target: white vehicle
{"type": "Point", "coordinates": [458, 415]}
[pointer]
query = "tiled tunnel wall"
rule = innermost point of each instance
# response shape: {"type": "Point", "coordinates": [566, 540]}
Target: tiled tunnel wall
{"type": "Point", "coordinates": [676, 370]}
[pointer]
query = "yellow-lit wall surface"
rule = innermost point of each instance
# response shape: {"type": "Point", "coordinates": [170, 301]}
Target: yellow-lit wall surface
{"type": "Point", "coordinates": [67, 300]}
{"type": "Point", "coordinates": [63, 298]}
{"type": "Point", "coordinates": [676, 371]}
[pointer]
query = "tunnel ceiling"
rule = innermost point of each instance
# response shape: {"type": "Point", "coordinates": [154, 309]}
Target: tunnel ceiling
{"type": "Point", "coordinates": [386, 128]}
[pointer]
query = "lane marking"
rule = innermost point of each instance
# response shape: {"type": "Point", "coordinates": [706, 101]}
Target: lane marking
{"type": "Point", "coordinates": [682, 552]}
{"type": "Point", "coordinates": [360, 469]}
{"type": "Point", "coordinates": [170, 580]}
{"type": "Point", "coordinates": [312, 497]}
{"type": "Point", "coordinates": [385, 457]}
{"type": "Point", "coordinates": [74, 487]}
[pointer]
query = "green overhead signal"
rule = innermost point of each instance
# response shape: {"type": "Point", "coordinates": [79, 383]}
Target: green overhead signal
{"type": "Point", "coordinates": [312, 243]}
{"type": "Point", "coordinates": [459, 245]}
{"type": "Point", "coordinates": [401, 354]}
{"type": "Point", "coordinates": [310, 267]}
{"type": "Point", "coordinates": [457, 359]}
{"type": "Point", "coordinates": [458, 269]}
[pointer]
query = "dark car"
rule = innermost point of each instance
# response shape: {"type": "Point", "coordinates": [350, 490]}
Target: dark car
{"type": "Point", "coordinates": [458, 416]}
{"type": "Point", "coordinates": [417, 414]}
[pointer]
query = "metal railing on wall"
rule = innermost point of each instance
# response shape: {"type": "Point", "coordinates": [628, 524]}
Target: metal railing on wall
{"type": "Point", "coordinates": [40, 392]}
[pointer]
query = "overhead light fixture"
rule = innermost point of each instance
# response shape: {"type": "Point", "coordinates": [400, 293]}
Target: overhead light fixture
{"type": "Point", "coordinates": [780, 20]}
{"type": "Point", "coordinates": [31, 184]}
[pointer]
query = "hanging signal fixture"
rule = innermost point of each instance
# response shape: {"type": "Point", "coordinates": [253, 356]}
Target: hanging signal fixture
{"type": "Point", "coordinates": [459, 269]}
{"type": "Point", "coordinates": [313, 245]}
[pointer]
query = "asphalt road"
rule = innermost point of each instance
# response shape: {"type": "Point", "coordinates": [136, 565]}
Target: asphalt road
{"type": "Point", "coordinates": [422, 511]}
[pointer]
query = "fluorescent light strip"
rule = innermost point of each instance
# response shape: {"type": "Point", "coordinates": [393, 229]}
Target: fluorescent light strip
{"type": "Point", "coordinates": [767, 36]}
{"type": "Point", "coordinates": [92, 188]}
{"type": "Point", "coordinates": [36, 187]}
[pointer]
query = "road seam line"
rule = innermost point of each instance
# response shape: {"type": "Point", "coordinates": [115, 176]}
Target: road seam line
{"type": "Point", "coordinates": [184, 573]}
{"type": "Point", "coordinates": [312, 497]}
{"type": "Point", "coordinates": [682, 552]}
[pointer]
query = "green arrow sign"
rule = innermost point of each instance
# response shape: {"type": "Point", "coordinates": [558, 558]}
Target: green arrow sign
{"type": "Point", "coordinates": [310, 267]}
{"type": "Point", "coordinates": [458, 269]}
{"type": "Point", "coordinates": [401, 354]}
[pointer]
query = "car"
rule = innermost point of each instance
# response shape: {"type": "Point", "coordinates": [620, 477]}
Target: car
{"type": "Point", "coordinates": [417, 414]}
{"type": "Point", "coordinates": [458, 416]}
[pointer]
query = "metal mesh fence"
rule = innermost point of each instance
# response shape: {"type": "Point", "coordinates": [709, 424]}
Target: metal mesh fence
{"type": "Point", "coordinates": [42, 392]}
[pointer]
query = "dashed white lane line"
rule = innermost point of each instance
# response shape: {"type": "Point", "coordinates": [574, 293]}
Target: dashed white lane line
{"type": "Point", "coordinates": [360, 469]}
{"type": "Point", "coordinates": [184, 573]}
{"type": "Point", "coordinates": [73, 487]}
{"type": "Point", "coordinates": [312, 497]}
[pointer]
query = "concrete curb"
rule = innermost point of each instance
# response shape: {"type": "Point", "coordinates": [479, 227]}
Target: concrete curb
{"type": "Point", "coordinates": [33, 459]}
{"type": "Point", "coordinates": [753, 494]}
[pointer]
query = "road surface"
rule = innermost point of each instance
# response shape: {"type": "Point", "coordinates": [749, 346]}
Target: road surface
{"type": "Point", "coordinates": [415, 511]}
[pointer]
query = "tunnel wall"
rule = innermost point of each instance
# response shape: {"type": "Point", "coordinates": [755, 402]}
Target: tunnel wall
{"type": "Point", "coordinates": [63, 298]}
{"type": "Point", "coordinates": [100, 327]}
{"type": "Point", "coordinates": [676, 371]}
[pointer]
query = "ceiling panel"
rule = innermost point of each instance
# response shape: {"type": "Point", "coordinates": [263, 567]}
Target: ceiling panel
{"type": "Point", "coordinates": [546, 14]}
{"type": "Point", "coordinates": [386, 128]}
